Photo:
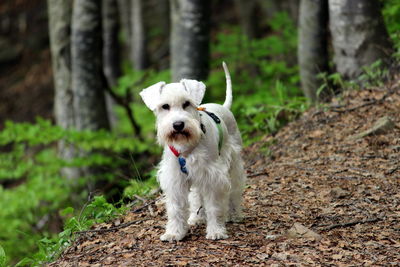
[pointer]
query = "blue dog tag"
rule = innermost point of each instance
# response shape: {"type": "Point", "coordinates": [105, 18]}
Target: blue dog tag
{"type": "Point", "coordinates": [182, 163]}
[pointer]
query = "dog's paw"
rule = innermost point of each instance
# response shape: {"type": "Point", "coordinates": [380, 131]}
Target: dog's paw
{"type": "Point", "coordinates": [215, 235]}
{"type": "Point", "coordinates": [172, 237]}
{"type": "Point", "coordinates": [195, 219]}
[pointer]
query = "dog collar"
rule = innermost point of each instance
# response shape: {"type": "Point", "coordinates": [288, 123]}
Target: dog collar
{"type": "Point", "coordinates": [218, 123]}
{"type": "Point", "coordinates": [181, 160]}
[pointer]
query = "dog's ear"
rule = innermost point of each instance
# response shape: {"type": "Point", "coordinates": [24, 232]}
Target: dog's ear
{"type": "Point", "coordinates": [151, 95]}
{"type": "Point", "coordinates": [195, 88]}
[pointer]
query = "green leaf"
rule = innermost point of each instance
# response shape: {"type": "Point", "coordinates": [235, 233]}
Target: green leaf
{"type": "Point", "coordinates": [2, 256]}
{"type": "Point", "coordinates": [67, 211]}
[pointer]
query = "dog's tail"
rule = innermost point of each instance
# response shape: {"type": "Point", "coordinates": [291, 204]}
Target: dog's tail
{"type": "Point", "coordinates": [228, 99]}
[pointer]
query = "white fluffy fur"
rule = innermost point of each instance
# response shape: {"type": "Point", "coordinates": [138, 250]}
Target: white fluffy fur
{"type": "Point", "coordinates": [212, 189]}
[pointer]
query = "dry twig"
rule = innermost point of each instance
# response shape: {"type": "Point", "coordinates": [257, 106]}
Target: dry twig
{"type": "Point", "coordinates": [145, 205]}
{"type": "Point", "coordinates": [348, 224]}
{"type": "Point", "coordinates": [257, 174]}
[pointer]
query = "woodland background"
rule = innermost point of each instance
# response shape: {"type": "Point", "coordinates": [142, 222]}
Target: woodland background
{"type": "Point", "coordinates": [77, 143]}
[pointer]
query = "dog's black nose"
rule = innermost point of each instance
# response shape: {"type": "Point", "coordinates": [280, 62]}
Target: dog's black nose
{"type": "Point", "coordinates": [178, 125]}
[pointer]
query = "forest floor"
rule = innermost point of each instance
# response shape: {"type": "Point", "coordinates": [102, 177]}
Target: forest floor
{"type": "Point", "coordinates": [317, 194]}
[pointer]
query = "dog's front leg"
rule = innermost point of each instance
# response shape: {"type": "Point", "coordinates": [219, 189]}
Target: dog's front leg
{"type": "Point", "coordinates": [177, 205]}
{"type": "Point", "coordinates": [215, 202]}
{"type": "Point", "coordinates": [197, 215]}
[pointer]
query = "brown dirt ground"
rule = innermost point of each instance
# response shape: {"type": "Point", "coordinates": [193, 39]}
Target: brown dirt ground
{"type": "Point", "coordinates": [345, 192]}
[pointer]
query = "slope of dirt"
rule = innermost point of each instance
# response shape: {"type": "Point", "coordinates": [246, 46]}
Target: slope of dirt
{"type": "Point", "coordinates": [316, 197]}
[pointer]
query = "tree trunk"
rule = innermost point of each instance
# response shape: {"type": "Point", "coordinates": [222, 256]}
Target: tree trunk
{"type": "Point", "coordinates": [87, 84]}
{"type": "Point", "coordinates": [139, 55]}
{"type": "Point", "coordinates": [60, 28]}
{"type": "Point", "coordinates": [312, 47]}
{"type": "Point", "coordinates": [111, 52]}
{"type": "Point", "coordinates": [111, 47]}
{"type": "Point", "coordinates": [190, 39]}
{"type": "Point", "coordinates": [248, 17]}
{"type": "Point", "coordinates": [161, 55]}
{"type": "Point", "coordinates": [124, 8]}
{"type": "Point", "coordinates": [359, 35]}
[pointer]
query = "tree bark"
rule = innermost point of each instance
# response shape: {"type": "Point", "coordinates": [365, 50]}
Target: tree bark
{"type": "Point", "coordinates": [359, 35]}
{"type": "Point", "coordinates": [111, 47]}
{"type": "Point", "coordinates": [248, 17]}
{"type": "Point", "coordinates": [161, 55]}
{"type": "Point", "coordinates": [312, 47]}
{"type": "Point", "coordinates": [139, 56]}
{"type": "Point", "coordinates": [59, 25]}
{"type": "Point", "coordinates": [124, 8]}
{"type": "Point", "coordinates": [111, 52]}
{"type": "Point", "coordinates": [87, 84]}
{"type": "Point", "coordinates": [190, 39]}
{"type": "Point", "coordinates": [59, 12]}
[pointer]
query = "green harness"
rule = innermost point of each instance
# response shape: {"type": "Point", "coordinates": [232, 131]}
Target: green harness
{"type": "Point", "coordinates": [218, 123]}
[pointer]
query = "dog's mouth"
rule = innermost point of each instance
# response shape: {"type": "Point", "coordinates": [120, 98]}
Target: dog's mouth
{"type": "Point", "coordinates": [180, 133]}
{"type": "Point", "coordinates": [179, 136]}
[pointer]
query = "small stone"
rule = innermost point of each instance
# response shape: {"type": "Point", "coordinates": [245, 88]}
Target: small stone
{"type": "Point", "coordinates": [338, 192]}
{"type": "Point", "coordinates": [300, 231]}
{"type": "Point", "coordinates": [381, 126]}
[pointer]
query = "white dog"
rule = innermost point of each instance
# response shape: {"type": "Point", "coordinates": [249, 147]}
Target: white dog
{"type": "Point", "coordinates": [201, 171]}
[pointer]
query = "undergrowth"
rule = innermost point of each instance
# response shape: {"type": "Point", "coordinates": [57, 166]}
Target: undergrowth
{"type": "Point", "coordinates": [97, 211]}
{"type": "Point", "coordinates": [33, 189]}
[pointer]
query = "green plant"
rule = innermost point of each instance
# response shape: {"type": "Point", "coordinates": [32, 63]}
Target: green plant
{"type": "Point", "coordinates": [391, 15]}
{"type": "Point", "coordinates": [97, 211]}
{"type": "Point", "coordinates": [2, 256]}
{"type": "Point", "coordinates": [140, 187]}
{"type": "Point", "coordinates": [374, 75]}
{"type": "Point", "coordinates": [330, 83]}
{"type": "Point", "coordinates": [31, 184]}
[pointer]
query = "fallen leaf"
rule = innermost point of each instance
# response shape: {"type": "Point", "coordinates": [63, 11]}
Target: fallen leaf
{"type": "Point", "coordinates": [262, 256]}
{"type": "Point", "coordinates": [280, 256]}
{"type": "Point", "coordinates": [337, 256]}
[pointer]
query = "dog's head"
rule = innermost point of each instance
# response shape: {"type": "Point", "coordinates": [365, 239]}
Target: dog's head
{"type": "Point", "coordinates": [175, 106]}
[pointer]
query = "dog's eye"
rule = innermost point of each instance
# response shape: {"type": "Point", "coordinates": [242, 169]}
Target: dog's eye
{"type": "Point", "coordinates": [186, 104]}
{"type": "Point", "coordinates": [165, 106]}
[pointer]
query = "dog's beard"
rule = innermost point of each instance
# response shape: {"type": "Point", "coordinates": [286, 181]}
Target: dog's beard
{"type": "Point", "coordinates": [189, 136]}
{"type": "Point", "coordinates": [176, 136]}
